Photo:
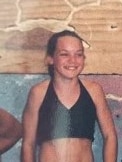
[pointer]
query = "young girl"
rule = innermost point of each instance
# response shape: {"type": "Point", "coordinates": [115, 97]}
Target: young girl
{"type": "Point", "coordinates": [60, 113]}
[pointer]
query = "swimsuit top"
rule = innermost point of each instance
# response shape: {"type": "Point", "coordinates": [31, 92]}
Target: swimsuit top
{"type": "Point", "coordinates": [56, 121]}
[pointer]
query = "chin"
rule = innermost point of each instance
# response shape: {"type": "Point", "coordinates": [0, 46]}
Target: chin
{"type": "Point", "coordinates": [70, 77]}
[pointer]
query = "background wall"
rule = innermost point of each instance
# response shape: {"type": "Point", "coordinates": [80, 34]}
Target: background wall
{"type": "Point", "coordinates": [13, 93]}
{"type": "Point", "coordinates": [25, 27]}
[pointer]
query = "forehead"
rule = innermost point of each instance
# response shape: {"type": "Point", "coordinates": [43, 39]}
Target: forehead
{"type": "Point", "coordinates": [69, 41]}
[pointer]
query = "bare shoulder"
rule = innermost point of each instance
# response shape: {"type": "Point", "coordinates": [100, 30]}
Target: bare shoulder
{"type": "Point", "coordinates": [40, 87]}
{"type": "Point", "coordinates": [94, 88]}
{"type": "Point", "coordinates": [5, 115]}
{"type": "Point", "coordinates": [8, 122]}
{"type": "Point", "coordinates": [91, 85]}
{"type": "Point", "coordinates": [36, 95]}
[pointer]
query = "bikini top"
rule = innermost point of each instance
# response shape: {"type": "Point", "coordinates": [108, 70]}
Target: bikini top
{"type": "Point", "coordinates": [56, 121]}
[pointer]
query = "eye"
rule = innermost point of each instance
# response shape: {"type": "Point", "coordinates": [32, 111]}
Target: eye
{"type": "Point", "coordinates": [63, 54]}
{"type": "Point", "coordinates": [80, 54]}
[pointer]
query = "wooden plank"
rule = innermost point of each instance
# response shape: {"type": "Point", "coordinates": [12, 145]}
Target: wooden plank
{"type": "Point", "coordinates": [23, 49]}
{"type": "Point", "coordinates": [22, 62]}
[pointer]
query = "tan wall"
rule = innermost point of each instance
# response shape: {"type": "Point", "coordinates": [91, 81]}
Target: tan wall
{"type": "Point", "coordinates": [25, 26]}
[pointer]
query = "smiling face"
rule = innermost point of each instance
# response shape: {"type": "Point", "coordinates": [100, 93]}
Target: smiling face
{"type": "Point", "coordinates": [68, 58]}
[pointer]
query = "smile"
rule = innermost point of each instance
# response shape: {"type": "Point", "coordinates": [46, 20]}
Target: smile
{"type": "Point", "coordinates": [71, 67]}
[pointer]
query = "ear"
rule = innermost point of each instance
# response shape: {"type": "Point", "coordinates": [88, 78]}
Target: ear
{"type": "Point", "coordinates": [49, 60]}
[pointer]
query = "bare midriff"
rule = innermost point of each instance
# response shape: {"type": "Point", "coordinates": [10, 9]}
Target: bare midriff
{"type": "Point", "coordinates": [66, 150]}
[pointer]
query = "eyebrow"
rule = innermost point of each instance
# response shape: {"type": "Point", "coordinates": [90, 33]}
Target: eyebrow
{"type": "Point", "coordinates": [65, 50]}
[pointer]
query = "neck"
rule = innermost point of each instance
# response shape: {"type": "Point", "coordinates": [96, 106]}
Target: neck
{"type": "Point", "coordinates": [65, 83]}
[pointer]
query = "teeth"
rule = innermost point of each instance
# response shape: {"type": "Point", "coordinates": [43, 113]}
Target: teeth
{"type": "Point", "coordinates": [71, 67]}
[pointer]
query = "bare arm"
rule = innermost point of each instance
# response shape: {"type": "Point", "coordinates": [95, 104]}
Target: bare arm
{"type": "Point", "coordinates": [106, 125]}
{"type": "Point", "coordinates": [10, 131]}
{"type": "Point", "coordinates": [29, 123]}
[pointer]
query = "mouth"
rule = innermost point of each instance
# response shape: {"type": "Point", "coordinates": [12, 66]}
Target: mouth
{"type": "Point", "coordinates": [71, 67]}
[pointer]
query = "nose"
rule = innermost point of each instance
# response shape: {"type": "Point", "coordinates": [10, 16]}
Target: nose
{"type": "Point", "coordinates": [72, 59]}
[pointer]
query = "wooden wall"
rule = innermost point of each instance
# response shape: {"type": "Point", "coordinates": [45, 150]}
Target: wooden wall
{"type": "Point", "coordinates": [25, 27]}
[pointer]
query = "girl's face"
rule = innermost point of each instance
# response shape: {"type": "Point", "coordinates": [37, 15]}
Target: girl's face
{"type": "Point", "coordinates": [68, 59]}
